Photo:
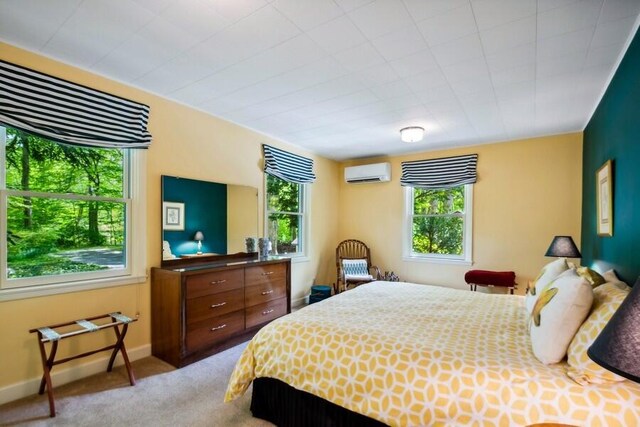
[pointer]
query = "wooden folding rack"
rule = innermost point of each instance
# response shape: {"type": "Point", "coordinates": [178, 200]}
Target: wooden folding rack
{"type": "Point", "coordinates": [48, 334]}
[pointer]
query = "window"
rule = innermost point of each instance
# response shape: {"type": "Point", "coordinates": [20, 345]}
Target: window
{"type": "Point", "coordinates": [286, 217]}
{"type": "Point", "coordinates": [68, 214]}
{"type": "Point", "coordinates": [438, 224]}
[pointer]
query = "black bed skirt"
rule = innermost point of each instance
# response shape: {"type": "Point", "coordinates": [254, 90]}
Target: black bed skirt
{"type": "Point", "coordinates": [283, 405]}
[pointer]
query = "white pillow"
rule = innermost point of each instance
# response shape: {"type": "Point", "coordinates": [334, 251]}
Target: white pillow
{"type": "Point", "coordinates": [560, 309]}
{"type": "Point", "coordinates": [546, 275]}
{"type": "Point", "coordinates": [611, 276]}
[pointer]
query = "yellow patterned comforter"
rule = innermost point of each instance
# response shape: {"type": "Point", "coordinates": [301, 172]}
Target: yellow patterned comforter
{"type": "Point", "coordinates": [408, 354]}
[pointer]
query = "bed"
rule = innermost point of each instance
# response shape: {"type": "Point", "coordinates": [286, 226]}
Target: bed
{"type": "Point", "coordinates": [407, 354]}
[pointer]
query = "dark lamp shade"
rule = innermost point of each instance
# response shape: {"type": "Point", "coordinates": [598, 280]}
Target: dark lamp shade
{"type": "Point", "coordinates": [617, 348]}
{"type": "Point", "coordinates": [199, 236]}
{"type": "Point", "coordinates": [563, 246]}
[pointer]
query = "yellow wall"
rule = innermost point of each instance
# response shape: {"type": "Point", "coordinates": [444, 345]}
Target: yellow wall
{"type": "Point", "coordinates": [527, 192]}
{"type": "Point", "coordinates": [186, 143]}
{"type": "Point", "coordinates": [242, 216]}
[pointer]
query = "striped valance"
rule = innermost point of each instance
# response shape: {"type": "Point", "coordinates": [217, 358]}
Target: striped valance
{"type": "Point", "coordinates": [70, 113]}
{"type": "Point", "coordinates": [288, 166]}
{"type": "Point", "coordinates": [446, 172]}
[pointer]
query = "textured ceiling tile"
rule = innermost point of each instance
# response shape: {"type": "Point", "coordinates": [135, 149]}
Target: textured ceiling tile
{"type": "Point", "coordinates": [491, 13]}
{"type": "Point", "coordinates": [337, 35]}
{"type": "Point", "coordinates": [449, 25]}
{"type": "Point", "coordinates": [415, 63]}
{"type": "Point", "coordinates": [31, 23]}
{"type": "Point", "coordinates": [380, 17]}
{"type": "Point", "coordinates": [574, 17]}
{"type": "Point", "coordinates": [423, 9]}
{"type": "Point", "coordinates": [509, 35]}
{"type": "Point", "coordinates": [460, 50]}
{"type": "Point", "coordinates": [399, 44]}
{"type": "Point", "coordinates": [359, 57]}
{"type": "Point", "coordinates": [307, 15]}
{"type": "Point", "coordinates": [340, 77]}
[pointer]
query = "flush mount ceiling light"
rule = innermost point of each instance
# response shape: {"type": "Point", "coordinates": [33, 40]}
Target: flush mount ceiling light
{"type": "Point", "coordinates": [412, 134]}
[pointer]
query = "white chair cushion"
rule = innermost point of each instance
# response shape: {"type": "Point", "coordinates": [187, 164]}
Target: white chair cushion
{"type": "Point", "coordinates": [357, 277]}
{"type": "Point", "coordinates": [355, 267]}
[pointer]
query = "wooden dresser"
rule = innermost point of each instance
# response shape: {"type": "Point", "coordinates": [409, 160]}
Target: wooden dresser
{"type": "Point", "coordinates": [200, 308]}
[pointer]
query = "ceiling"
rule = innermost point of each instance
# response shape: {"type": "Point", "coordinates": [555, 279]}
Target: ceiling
{"type": "Point", "coordinates": [341, 77]}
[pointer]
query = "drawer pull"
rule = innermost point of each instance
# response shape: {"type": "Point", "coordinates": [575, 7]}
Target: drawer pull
{"type": "Point", "coordinates": [264, 313]}
{"type": "Point", "coordinates": [218, 305]}
{"type": "Point", "coordinates": [217, 282]}
{"type": "Point", "coordinates": [267, 273]}
{"type": "Point", "coordinates": [218, 327]}
{"type": "Point", "coordinates": [267, 292]}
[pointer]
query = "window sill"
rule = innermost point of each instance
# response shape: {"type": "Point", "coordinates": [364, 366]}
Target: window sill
{"type": "Point", "coordinates": [10, 294]}
{"type": "Point", "coordinates": [295, 258]}
{"type": "Point", "coordinates": [436, 260]}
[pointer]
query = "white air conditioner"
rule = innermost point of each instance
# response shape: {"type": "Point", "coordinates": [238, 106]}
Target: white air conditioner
{"type": "Point", "coordinates": [376, 172]}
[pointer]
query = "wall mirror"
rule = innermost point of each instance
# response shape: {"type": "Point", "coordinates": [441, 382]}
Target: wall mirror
{"type": "Point", "coordinates": [202, 218]}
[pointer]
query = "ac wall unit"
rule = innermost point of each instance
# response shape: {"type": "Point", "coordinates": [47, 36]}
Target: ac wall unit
{"type": "Point", "coordinates": [376, 172]}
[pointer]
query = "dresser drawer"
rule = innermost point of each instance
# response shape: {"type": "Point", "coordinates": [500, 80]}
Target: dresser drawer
{"type": "Point", "coordinates": [216, 329]}
{"type": "Point", "coordinates": [263, 313]}
{"type": "Point", "coordinates": [259, 294]}
{"type": "Point", "coordinates": [270, 273]}
{"type": "Point", "coordinates": [214, 305]}
{"type": "Point", "coordinates": [214, 282]}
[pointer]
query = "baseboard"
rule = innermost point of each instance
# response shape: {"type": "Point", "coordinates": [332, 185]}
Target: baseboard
{"type": "Point", "coordinates": [60, 376]}
{"type": "Point", "coordinates": [298, 302]}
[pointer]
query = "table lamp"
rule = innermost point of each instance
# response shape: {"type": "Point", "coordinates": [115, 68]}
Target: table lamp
{"type": "Point", "coordinates": [617, 348]}
{"type": "Point", "coordinates": [199, 237]}
{"type": "Point", "coordinates": [564, 247]}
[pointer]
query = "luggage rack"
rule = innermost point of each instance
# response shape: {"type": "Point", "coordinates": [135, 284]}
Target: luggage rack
{"type": "Point", "coordinates": [48, 334]}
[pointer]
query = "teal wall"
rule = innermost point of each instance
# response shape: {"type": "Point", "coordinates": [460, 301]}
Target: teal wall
{"type": "Point", "coordinates": [614, 133]}
{"type": "Point", "coordinates": [205, 209]}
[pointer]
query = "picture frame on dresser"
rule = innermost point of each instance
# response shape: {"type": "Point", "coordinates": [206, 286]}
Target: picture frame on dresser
{"type": "Point", "coordinates": [604, 199]}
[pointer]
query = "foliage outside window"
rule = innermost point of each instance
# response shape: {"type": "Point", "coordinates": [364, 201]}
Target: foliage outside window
{"type": "Point", "coordinates": [285, 216]}
{"type": "Point", "coordinates": [439, 223]}
{"type": "Point", "coordinates": [67, 211]}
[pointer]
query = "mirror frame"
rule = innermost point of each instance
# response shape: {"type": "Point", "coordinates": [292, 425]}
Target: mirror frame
{"type": "Point", "coordinates": [206, 259]}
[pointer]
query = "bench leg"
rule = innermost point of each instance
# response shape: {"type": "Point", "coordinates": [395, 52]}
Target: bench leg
{"type": "Point", "coordinates": [47, 364]}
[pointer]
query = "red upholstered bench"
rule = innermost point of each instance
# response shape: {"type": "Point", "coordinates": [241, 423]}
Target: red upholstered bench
{"type": "Point", "coordinates": [502, 279]}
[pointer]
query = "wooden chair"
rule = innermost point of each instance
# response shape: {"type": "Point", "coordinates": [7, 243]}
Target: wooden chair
{"type": "Point", "coordinates": [354, 250]}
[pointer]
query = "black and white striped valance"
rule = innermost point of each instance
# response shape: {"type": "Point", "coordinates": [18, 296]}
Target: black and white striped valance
{"type": "Point", "coordinates": [288, 166]}
{"type": "Point", "coordinates": [446, 172]}
{"type": "Point", "coordinates": [70, 113]}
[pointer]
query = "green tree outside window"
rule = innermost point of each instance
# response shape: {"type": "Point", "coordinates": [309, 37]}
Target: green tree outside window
{"type": "Point", "coordinates": [438, 221]}
{"type": "Point", "coordinates": [66, 207]}
{"type": "Point", "coordinates": [284, 216]}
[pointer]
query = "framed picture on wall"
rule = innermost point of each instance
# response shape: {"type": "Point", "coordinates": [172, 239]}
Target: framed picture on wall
{"type": "Point", "coordinates": [173, 216]}
{"type": "Point", "coordinates": [604, 200]}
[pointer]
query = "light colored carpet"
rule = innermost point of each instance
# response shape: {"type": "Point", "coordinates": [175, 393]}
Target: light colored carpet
{"type": "Point", "coordinates": [162, 396]}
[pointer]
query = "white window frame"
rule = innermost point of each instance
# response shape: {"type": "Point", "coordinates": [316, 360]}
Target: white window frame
{"type": "Point", "coordinates": [135, 237]}
{"type": "Point", "coordinates": [303, 234]}
{"type": "Point", "coordinates": [467, 234]}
